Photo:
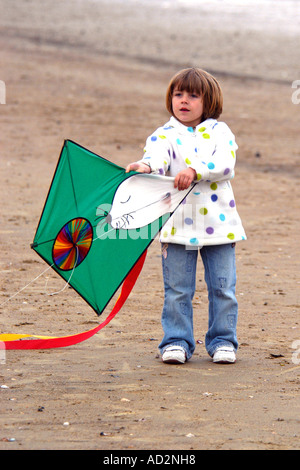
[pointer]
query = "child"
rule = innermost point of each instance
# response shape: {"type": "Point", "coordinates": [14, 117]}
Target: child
{"type": "Point", "coordinates": [194, 147]}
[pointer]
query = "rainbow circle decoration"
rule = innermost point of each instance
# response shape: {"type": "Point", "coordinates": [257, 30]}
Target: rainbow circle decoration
{"type": "Point", "coordinates": [72, 244]}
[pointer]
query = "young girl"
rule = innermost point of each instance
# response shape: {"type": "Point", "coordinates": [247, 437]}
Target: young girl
{"type": "Point", "coordinates": [194, 147]}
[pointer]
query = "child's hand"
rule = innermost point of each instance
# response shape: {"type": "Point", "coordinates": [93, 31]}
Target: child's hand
{"type": "Point", "coordinates": [185, 178]}
{"type": "Point", "coordinates": [139, 167]}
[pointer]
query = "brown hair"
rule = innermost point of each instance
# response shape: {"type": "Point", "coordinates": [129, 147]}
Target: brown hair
{"type": "Point", "coordinates": [195, 80]}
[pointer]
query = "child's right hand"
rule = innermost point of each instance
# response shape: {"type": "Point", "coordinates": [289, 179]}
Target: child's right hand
{"type": "Point", "coordinates": [139, 167]}
{"type": "Point", "coordinates": [185, 178]}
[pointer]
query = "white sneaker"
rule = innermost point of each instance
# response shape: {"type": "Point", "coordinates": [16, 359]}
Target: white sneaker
{"type": "Point", "coordinates": [174, 355]}
{"type": "Point", "coordinates": [225, 355]}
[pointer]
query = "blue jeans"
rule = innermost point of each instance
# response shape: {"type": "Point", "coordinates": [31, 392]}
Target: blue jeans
{"type": "Point", "coordinates": [179, 273]}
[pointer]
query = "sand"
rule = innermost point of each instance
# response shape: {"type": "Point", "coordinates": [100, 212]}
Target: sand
{"type": "Point", "coordinates": [96, 72]}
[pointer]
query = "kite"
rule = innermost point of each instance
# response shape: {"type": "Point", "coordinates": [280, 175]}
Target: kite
{"type": "Point", "coordinates": [94, 231]}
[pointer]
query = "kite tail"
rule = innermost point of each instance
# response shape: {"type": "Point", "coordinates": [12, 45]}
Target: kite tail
{"type": "Point", "coordinates": [15, 341]}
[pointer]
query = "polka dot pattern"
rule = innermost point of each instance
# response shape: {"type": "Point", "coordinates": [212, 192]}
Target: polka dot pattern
{"type": "Point", "coordinates": [208, 215]}
{"type": "Point", "coordinates": [203, 211]}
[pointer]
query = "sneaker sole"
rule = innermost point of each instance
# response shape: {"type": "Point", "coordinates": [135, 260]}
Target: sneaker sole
{"type": "Point", "coordinates": [170, 357]}
{"type": "Point", "coordinates": [173, 361]}
{"type": "Point", "coordinates": [224, 361]}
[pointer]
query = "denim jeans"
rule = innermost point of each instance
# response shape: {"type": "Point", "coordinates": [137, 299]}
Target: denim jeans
{"type": "Point", "coordinates": [179, 272]}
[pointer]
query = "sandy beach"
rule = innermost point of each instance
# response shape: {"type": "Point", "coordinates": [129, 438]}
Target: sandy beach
{"type": "Point", "coordinates": [96, 72]}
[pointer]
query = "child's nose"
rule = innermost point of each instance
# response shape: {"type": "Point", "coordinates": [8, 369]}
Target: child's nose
{"type": "Point", "coordinates": [184, 98]}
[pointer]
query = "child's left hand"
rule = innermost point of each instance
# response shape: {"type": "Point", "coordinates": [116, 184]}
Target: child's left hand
{"type": "Point", "coordinates": [185, 178]}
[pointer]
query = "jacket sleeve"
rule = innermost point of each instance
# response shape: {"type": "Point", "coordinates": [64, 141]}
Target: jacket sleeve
{"type": "Point", "coordinates": [157, 152]}
{"type": "Point", "coordinates": [217, 164]}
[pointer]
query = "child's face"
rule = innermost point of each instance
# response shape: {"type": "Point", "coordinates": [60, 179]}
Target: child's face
{"type": "Point", "coordinates": [187, 107]}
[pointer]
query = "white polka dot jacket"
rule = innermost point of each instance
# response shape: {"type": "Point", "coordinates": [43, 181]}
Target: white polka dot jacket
{"type": "Point", "coordinates": [208, 215]}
